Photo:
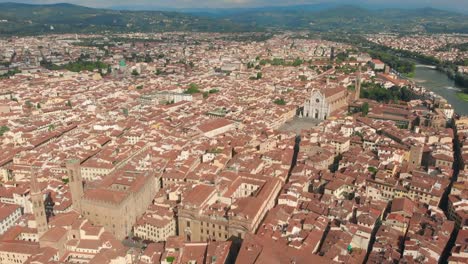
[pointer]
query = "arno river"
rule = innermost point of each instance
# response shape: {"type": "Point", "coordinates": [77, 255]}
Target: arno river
{"type": "Point", "coordinates": [440, 84]}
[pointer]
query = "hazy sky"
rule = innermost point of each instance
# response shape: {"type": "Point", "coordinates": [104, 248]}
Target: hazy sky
{"type": "Point", "coordinates": [446, 4]}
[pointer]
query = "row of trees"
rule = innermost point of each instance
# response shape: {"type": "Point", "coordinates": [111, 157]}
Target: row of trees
{"type": "Point", "coordinates": [282, 62]}
{"type": "Point", "coordinates": [212, 91]}
{"type": "Point", "coordinates": [451, 69]}
{"type": "Point", "coordinates": [77, 66]}
{"type": "Point", "coordinates": [9, 73]}
{"type": "Point", "coordinates": [400, 65]}
{"type": "Point", "coordinates": [378, 93]}
{"type": "Point", "coordinates": [448, 47]}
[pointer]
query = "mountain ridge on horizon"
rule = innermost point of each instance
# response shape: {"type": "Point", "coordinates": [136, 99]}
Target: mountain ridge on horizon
{"type": "Point", "coordinates": [305, 7]}
{"type": "Point", "coordinates": [70, 18]}
{"type": "Point", "coordinates": [308, 7]}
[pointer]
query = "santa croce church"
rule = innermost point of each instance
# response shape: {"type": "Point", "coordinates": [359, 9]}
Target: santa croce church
{"type": "Point", "coordinates": [322, 103]}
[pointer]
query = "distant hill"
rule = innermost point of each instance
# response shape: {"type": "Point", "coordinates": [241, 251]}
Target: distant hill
{"type": "Point", "coordinates": [225, 11]}
{"type": "Point", "coordinates": [353, 18]}
{"type": "Point", "coordinates": [24, 19]}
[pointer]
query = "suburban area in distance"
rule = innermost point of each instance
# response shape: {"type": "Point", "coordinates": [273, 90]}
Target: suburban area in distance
{"type": "Point", "coordinates": [233, 132]}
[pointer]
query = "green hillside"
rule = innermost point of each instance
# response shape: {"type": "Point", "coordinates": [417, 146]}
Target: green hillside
{"type": "Point", "coordinates": [355, 19]}
{"type": "Point", "coordinates": [65, 18]}
{"type": "Point", "coordinates": [23, 19]}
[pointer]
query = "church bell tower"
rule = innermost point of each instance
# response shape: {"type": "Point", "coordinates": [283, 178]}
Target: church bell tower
{"type": "Point", "coordinates": [76, 183]}
{"type": "Point", "coordinates": [357, 89]}
{"type": "Point", "coordinates": [37, 200]}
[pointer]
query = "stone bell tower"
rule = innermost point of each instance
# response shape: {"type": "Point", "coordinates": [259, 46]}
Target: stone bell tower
{"type": "Point", "coordinates": [358, 85]}
{"type": "Point", "coordinates": [76, 183]}
{"type": "Point", "coordinates": [37, 199]}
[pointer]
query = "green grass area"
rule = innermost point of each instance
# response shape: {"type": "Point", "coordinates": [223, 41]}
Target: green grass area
{"type": "Point", "coordinates": [409, 75]}
{"type": "Point", "coordinates": [463, 96]}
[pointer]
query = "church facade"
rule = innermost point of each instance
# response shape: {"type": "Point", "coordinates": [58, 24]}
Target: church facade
{"type": "Point", "coordinates": [322, 103]}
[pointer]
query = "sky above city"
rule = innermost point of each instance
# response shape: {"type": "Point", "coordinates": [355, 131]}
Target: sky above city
{"type": "Point", "coordinates": [446, 4]}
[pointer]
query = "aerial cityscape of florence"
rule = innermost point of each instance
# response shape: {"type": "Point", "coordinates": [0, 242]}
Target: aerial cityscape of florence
{"type": "Point", "coordinates": [233, 131]}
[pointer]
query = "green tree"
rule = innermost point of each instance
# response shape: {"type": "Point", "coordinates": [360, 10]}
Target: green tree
{"type": "Point", "coordinates": [38, 106]}
{"type": "Point", "coordinates": [77, 66]}
{"type": "Point", "coordinates": [259, 75]}
{"type": "Point", "coordinates": [336, 163]}
{"type": "Point", "coordinates": [297, 62]}
{"type": "Point", "coordinates": [3, 130]}
{"type": "Point", "coordinates": [148, 58]}
{"type": "Point", "coordinates": [135, 72]}
{"type": "Point", "coordinates": [280, 101]}
{"type": "Point", "coordinates": [192, 89]}
{"type": "Point", "coordinates": [9, 73]}
{"type": "Point", "coordinates": [365, 109]}
{"type": "Point", "coordinates": [29, 104]}
{"type": "Point", "coordinates": [377, 92]}
{"type": "Point", "coordinates": [372, 170]}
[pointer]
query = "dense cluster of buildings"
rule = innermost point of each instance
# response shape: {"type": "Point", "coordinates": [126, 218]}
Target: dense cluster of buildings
{"type": "Point", "coordinates": [205, 148]}
{"type": "Point", "coordinates": [440, 46]}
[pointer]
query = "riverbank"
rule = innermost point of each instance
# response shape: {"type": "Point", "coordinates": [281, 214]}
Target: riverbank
{"type": "Point", "coordinates": [463, 96]}
{"type": "Point", "coordinates": [438, 83]}
{"type": "Point", "coordinates": [448, 68]}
